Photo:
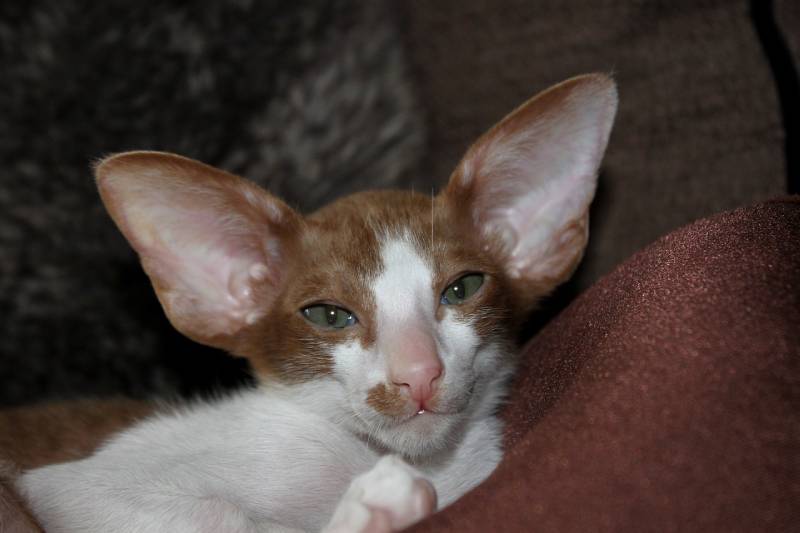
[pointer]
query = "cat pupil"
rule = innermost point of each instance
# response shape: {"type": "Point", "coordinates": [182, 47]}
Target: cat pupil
{"type": "Point", "coordinates": [330, 314]}
{"type": "Point", "coordinates": [458, 289]}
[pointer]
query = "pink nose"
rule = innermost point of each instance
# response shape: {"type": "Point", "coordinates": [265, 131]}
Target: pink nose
{"type": "Point", "coordinates": [420, 380]}
{"type": "Point", "coordinates": [414, 362]}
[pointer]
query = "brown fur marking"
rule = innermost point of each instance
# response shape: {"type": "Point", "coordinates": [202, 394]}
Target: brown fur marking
{"type": "Point", "coordinates": [53, 433]}
{"type": "Point", "coordinates": [387, 400]}
{"type": "Point", "coordinates": [14, 515]}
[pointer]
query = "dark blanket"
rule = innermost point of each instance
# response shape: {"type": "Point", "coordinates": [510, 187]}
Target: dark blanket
{"type": "Point", "coordinates": [666, 398]}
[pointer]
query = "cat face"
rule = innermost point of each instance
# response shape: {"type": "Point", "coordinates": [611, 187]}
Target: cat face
{"type": "Point", "coordinates": [404, 302]}
{"type": "Point", "coordinates": [418, 317]}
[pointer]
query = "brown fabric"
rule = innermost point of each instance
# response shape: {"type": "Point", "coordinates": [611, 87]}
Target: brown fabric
{"type": "Point", "coordinates": [699, 127]}
{"type": "Point", "coordinates": [665, 398]}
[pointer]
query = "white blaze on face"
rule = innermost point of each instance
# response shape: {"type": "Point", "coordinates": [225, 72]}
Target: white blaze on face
{"type": "Point", "coordinates": [403, 290]}
{"type": "Point", "coordinates": [405, 303]}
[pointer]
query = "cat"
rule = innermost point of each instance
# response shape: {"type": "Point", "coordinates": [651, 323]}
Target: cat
{"type": "Point", "coordinates": [380, 328]}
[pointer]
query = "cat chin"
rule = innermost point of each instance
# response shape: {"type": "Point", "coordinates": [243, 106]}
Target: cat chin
{"type": "Point", "coordinates": [421, 435]}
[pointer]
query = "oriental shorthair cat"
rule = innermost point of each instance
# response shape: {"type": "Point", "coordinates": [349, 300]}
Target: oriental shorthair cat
{"type": "Point", "coordinates": [380, 329]}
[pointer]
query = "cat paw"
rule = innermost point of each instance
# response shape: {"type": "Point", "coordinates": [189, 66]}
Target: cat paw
{"type": "Point", "coordinates": [389, 497]}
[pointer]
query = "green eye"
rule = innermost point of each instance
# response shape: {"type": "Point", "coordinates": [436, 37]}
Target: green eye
{"type": "Point", "coordinates": [462, 289]}
{"type": "Point", "coordinates": [329, 316]}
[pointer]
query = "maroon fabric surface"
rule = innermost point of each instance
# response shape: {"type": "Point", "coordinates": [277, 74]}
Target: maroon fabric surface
{"type": "Point", "coordinates": [665, 398]}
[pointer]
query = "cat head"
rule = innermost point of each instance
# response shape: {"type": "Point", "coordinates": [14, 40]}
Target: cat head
{"type": "Point", "coordinates": [403, 304]}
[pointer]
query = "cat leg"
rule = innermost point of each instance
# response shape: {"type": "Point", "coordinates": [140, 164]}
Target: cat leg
{"type": "Point", "coordinates": [389, 497]}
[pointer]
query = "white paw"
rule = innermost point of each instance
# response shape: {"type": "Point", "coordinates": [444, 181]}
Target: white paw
{"type": "Point", "coordinates": [389, 497]}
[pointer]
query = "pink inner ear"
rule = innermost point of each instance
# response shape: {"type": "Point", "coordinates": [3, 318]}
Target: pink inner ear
{"type": "Point", "coordinates": [534, 175]}
{"type": "Point", "coordinates": [207, 239]}
{"type": "Point", "coordinates": [208, 276]}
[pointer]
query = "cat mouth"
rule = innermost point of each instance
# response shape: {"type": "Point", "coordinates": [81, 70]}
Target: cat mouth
{"type": "Point", "coordinates": [425, 413]}
{"type": "Point", "coordinates": [423, 416]}
{"type": "Point", "coordinates": [438, 406]}
{"type": "Point", "coordinates": [417, 415]}
{"type": "Point", "coordinates": [394, 408]}
{"type": "Point", "coordinates": [413, 417]}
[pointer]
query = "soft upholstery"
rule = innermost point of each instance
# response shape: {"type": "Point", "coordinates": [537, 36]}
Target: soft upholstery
{"type": "Point", "coordinates": [665, 398]}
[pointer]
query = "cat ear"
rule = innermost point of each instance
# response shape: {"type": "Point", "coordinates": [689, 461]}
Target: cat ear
{"type": "Point", "coordinates": [529, 180]}
{"type": "Point", "coordinates": [213, 244]}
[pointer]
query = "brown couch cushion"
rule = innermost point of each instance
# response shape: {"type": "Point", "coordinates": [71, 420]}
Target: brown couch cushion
{"type": "Point", "coordinates": [666, 398]}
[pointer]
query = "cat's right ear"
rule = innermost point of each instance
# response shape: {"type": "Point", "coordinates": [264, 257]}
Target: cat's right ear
{"type": "Point", "coordinates": [214, 245]}
{"type": "Point", "coordinates": [525, 186]}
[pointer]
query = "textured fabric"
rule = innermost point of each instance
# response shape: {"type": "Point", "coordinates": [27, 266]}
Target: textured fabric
{"type": "Point", "coordinates": [309, 98]}
{"type": "Point", "coordinates": [699, 126]}
{"type": "Point", "coordinates": [665, 398]}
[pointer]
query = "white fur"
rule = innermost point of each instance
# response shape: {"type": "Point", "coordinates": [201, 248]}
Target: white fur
{"type": "Point", "coordinates": [404, 289]}
{"type": "Point", "coordinates": [390, 495]}
{"type": "Point", "coordinates": [259, 461]}
{"type": "Point", "coordinates": [280, 457]}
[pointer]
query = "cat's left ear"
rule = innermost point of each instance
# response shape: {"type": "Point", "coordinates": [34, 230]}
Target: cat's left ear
{"type": "Point", "coordinates": [528, 182]}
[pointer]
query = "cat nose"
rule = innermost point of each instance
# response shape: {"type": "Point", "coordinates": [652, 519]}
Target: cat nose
{"type": "Point", "coordinates": [420, 380]}
{"type": "Point", "coordinates": [415, 364]}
